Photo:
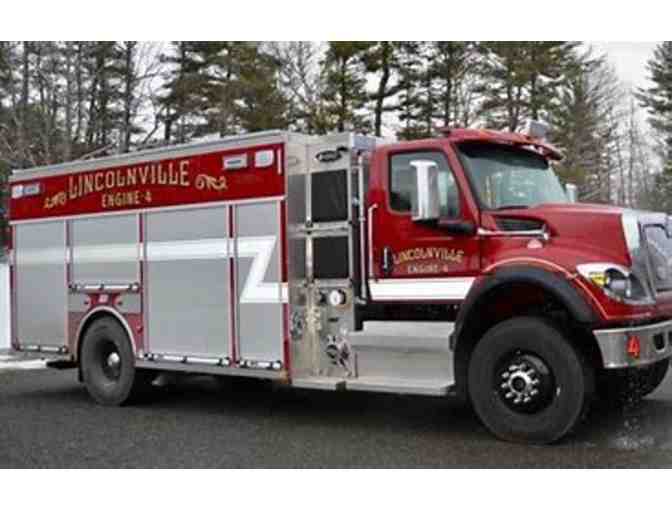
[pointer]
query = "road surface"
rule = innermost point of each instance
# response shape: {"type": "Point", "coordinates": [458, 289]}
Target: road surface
{"type": "Point", "coordinates": [48, 420]}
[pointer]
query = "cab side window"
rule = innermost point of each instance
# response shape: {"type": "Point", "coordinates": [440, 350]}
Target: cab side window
{"type": "Point", "coordinates": [403, 184]}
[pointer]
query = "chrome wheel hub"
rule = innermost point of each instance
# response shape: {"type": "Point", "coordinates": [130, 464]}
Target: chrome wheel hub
{"type": "Point", "coordinates": [524, 383]}
{"type": "Point", "coordinates": [110, 362]}
{"type": "Point", "coordinates": [520, 382]}
{"type": "Point", "coordinates": [113, 360]}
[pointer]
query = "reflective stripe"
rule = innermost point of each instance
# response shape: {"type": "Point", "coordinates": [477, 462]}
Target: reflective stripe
{"type": "Point", "coordinates": [43, 256]}
{"type": "Point", "coordinates": [430, 289]}
{"type": "Point", "coordinates": [105, 253]}
{"type": "Point", "coordinates": [260, 249]}
{"type": "Point", "coordinates": [203, 249]}
{"type": "Point", "coordinates": [255, 289]}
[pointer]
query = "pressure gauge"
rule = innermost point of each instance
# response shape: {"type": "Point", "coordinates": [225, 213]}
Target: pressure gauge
{"type": "Point", "coordinates": [337, 297]}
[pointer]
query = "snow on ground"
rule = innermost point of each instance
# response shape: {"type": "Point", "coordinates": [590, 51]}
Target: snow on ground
{"type": "Point", "coordinates": [9, 362]}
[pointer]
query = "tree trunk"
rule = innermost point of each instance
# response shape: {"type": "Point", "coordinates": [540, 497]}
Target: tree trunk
{"type": "Point", "coordinates": [67, 137]}
{"type": "Point", "coordinates": [129, 84]}
{"type": "Point", "coordinates": [382, 88]}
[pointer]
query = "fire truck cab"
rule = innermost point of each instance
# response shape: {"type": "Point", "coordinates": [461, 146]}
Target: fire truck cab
{"type": "Point", "coordinates": [452, 266]}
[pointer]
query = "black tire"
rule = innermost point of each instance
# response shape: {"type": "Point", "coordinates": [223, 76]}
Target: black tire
{"type": "Point", "coordinates": [108, 365]}
{"type": "Point", "coordinates": [562, 379]}
{"type": "Point", "coordinates": [656, 375]}
{"type": "Point", "coordinates": [629, 386]}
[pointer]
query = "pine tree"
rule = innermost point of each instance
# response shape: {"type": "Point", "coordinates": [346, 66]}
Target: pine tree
{"type": "Point", "coordinates": [345, 92]}
{"type": "Point", "coordinates": [262, 104]}
{"type": "Point", "coordinates": [437, 82]}
{"type": "Point", "coordinates": [383, 59]}
{"type": "Point", "coordinates": [222, 87]}
{"type": "Point", "coordinates": [657, 99]}
{"type": "Point", "coordinates": [223, 68]}
{"type": "Point", "coordinates": [416, 100]}
{"type": "Point", "coordinates": [584, 127]}
{"type": "Point", "coordinates": [523, 79]}
{"type": "Point", "coordinates": [302, 81]}
{"type": "Point", "coordinates": [104, 66]}
{"type": "Point", "coordinates": [450, 63]}
{"type": "Point", "coordinates": [185, 82]}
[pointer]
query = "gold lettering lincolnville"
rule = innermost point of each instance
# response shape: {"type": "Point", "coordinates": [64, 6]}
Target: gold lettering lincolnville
{"type": "Point", "coordinates": [154, 174]}
{"type": "Point", "coordinates": [116, 186]}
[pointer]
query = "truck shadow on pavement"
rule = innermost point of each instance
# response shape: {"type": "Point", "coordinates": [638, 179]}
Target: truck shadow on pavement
{"type": "Point", "coordinates": [642, 426]}
{"type": "Point", "coordinates": [407, 430]}
{"type": "Point", "coordinates": [646, 425]}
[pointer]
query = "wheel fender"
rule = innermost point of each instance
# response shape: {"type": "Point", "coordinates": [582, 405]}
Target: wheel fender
{"type": "Point", "coordinates": [553, 283]}
{"type": "Point", "coordinates": [97, 313]}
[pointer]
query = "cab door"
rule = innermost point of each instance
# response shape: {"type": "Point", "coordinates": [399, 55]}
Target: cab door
{"type": "Point", "coordinates": [415, 261]}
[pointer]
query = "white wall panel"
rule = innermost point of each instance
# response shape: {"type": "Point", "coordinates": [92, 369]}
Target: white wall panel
{"type": "Point", "coordinates": [4, 306]}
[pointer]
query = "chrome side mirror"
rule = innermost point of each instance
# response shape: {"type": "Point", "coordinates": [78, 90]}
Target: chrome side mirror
{"type": "Point", "coordinates": [425, 203]}
{"type": "Point", "coordinates": [572, 192]}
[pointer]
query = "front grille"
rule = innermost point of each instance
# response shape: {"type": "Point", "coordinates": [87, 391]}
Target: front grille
{"type": "Point", "coordinates": [659, 341]}
{"type": "Point", "coordinates": [659, 248]}
{"type": "Point", "coordinates": [518, 224]}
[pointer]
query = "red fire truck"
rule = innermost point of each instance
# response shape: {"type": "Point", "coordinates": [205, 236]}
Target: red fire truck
{"type": "Point", "coordinates": [452, 266]}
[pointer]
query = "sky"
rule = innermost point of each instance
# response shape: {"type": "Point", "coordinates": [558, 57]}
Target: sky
{"type": "Point", "coordinates": [629, 59]}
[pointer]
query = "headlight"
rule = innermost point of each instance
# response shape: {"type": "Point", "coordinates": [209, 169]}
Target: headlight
{"type": "Point", "coordinates": [617, 282]}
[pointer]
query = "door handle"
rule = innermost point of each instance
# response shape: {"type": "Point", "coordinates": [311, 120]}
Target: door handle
{"type": "Point", "coordinates": [387, 261]}
{"type": "Point", "coordinates": [369, 219]}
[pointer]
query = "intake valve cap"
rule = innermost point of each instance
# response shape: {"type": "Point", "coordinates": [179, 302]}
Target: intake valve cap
{"type": "Point", "coordinates": [337, 297]}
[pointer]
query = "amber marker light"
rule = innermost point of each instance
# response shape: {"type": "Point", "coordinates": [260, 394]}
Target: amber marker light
{"type": "Point", "coordinates": [633, 347]}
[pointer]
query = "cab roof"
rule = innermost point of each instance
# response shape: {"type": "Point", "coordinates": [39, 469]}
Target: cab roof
{"type": "Point", "coordinates": [503, 138]}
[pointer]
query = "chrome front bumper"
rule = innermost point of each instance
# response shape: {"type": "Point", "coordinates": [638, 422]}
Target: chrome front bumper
{"type": "Point", "coordinates": [655, 342]}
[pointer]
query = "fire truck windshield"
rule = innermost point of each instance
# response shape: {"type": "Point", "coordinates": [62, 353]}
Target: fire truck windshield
{"type": "Point", "coordinates": [505, 177]}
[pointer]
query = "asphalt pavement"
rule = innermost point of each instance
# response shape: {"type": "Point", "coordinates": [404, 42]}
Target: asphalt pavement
{"type": "Point", "coordinates": [48, 420]}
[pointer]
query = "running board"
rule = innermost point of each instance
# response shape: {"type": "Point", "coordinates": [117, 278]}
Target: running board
{"type": "Point", "coordinates": [400, 386]}
{"type": "Point", "coordinates": [61, 364]}
{"type": "Point", "coordinates": [376, 385]}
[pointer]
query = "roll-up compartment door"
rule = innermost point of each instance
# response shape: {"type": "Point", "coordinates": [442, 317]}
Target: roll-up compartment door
{"type": "Point", "coordinates": [261, 293]}
{"type": "Point", "coordinates": [188, 282]}
{"type": "Point", "coordinates": [106, 250]}
{"type": "Point", "coordinates": [41, 288]}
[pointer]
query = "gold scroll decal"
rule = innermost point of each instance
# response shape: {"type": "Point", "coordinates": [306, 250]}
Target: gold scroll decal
{"type": "Point", "coordinates": [207, 182]}
{"type": "Point", "coordinates": [60, 198]}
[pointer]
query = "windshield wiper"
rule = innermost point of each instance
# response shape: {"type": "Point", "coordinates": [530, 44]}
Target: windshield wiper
{"type": "Point", "coordinates": [512, 206]}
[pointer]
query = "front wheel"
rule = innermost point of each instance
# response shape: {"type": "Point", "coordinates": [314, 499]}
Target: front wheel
{"type": "Point", "coordinates": [108, 365]}
{"type": "Point", "coordinates": [527, 382]}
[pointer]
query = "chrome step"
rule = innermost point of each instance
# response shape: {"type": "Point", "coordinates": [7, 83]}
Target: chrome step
{"type": "Point", "coordinates": [404, 351]}
{"type": "Point", "coordinates": [400, 386]}
{"type": "Point", "coordinates": [403, 336]}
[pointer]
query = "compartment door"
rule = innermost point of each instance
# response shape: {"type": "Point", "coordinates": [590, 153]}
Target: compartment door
{"type": "Point", "coordinates": [261, 294]}
{"type": "Point", "coordinates": [41, 287]}
{"type": "Point", "coordinates": [188, 282]}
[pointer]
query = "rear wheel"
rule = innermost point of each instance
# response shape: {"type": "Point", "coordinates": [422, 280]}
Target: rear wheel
{"type": "Point", "coordinates": [527, 382]}
{"type": "Point", "coordinates": [108, 365]}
